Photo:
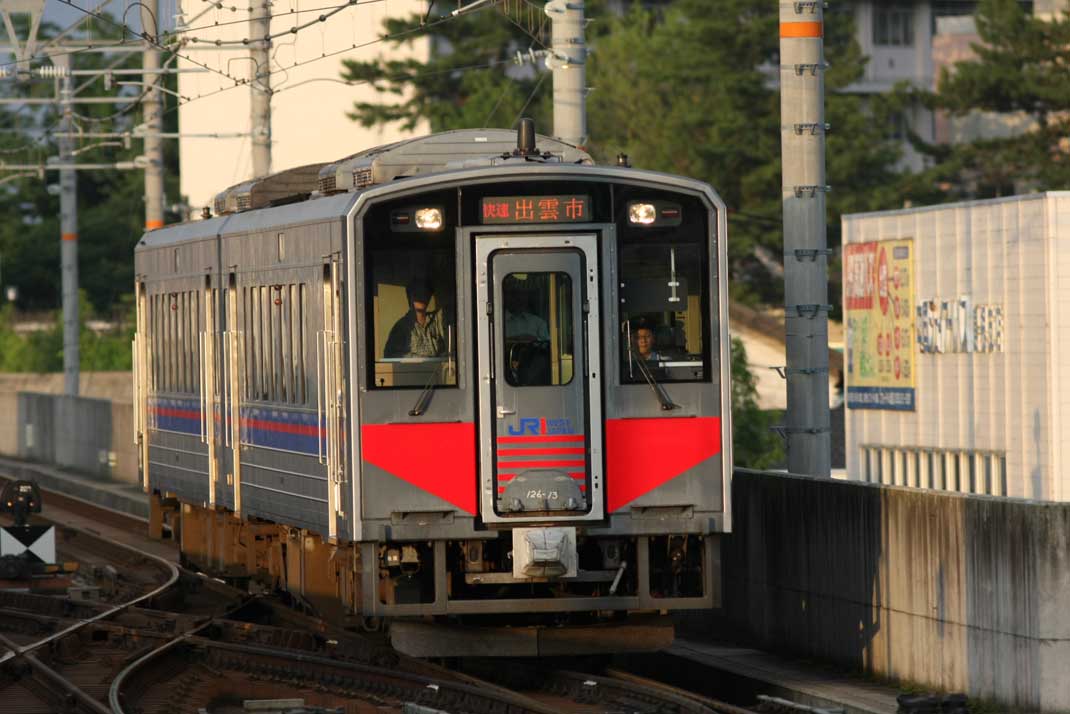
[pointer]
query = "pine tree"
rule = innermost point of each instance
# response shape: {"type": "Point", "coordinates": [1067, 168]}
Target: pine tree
{"type": "Point", "coordinates": [684, 87]}
{"type": "Point", "coordinates": [1021, 66]}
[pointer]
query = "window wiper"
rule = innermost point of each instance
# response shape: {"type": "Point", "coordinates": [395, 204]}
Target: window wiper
{"type": "Point", "coordinates": [659, 391]}
{"type": "Point", "coordinates": [424, 400]}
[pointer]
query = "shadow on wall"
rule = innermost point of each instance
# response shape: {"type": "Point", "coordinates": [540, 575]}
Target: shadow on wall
{"type": "Point", "coordinates": [797, 579]}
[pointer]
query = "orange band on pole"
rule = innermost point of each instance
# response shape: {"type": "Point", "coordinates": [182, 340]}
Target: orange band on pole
{"type": "Point", "coordinates": [801, 29]}
{"type": "Point", "coordinates": [70, 236]}
{"type": "Point", "coordinates": [153, 225]}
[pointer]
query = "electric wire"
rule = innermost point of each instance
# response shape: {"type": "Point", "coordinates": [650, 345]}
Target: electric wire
{"type": "Point", "coordinates": [186, 30]}
{"type": "Point", "coordinates": [530, 97]}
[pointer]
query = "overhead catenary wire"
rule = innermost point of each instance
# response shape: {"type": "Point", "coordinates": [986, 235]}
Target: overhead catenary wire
{"type": "Point", "coordinates": [531, 96]}
{"type": "Point", "coordinates": [186, 30]}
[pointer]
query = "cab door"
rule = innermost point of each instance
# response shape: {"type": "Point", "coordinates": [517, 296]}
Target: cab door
{"type": "Point", "coordinates": [541, 422]}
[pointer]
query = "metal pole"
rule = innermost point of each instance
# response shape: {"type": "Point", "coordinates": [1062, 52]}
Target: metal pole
{"type": "Point", "coordinates": [568, 60]}
{"type": "Point", "coordinates": [802, 146]}
{"type": "Point", "coordinates": [68, 220]}
{"type": "Point", "coordinates": [153, 119]}
{"type": "Point", "coordinates": [260, 107]}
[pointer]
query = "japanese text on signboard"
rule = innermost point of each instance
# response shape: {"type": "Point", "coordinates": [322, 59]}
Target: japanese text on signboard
{"type": "Point", "coordinates": [879, 315]}
{"type": "Point", "coordinates": [536, 209]}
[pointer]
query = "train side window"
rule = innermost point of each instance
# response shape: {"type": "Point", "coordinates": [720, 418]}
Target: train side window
{"type": "Point", "coordinates": [412, 293]}
{"type": "Point", "coordinates": [274, 342]}
{"type": "Point", "coordinates": [664, 302]}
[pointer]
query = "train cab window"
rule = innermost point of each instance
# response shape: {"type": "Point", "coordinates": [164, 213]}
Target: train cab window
{"type": "Point", "coordinates": [663, 302]}
{"type": "Point", "coordinates": [537, 332]}
{"type": "Point", "coordinates": [412, 289]}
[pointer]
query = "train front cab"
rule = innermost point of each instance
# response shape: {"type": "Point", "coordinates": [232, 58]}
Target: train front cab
{"type": "Point", "coordinates": [532, 452]}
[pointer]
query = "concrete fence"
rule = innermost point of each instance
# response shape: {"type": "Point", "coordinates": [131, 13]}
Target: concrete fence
{"type": "Point", "coordinates": [91, 436]}
{"type": "Point", "coordinates": [962, 593]}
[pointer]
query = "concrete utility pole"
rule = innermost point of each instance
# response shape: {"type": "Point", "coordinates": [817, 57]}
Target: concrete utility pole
{"type": "Point", "coordinates": [802, 147]}
{"type": "Point", "coordinates": [152, 109]}
{"type": "Point", "coordinates": [260, 116]}
{"type": "Point", "coordinates": [568, 60]}
{"type": "Point", "coordinates": [68, 222]}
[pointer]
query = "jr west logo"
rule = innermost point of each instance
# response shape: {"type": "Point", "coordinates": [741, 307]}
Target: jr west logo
{"type": "Point", "coordinates": [536, 426]}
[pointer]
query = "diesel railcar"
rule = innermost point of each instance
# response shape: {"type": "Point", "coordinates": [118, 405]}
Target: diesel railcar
{"type": "Point", "coordinates": [466, 378]}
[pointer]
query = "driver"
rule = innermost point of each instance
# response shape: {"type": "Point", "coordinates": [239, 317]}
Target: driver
{"type": "Point", "coordinates": [420, 332]}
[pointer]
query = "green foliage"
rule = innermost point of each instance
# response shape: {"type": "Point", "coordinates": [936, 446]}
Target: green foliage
{"type": "Point", "coordinates": [42, 351]}
{"type": "Point", "coordinates": [679, 89]}
{"type": "Point", "coordinates": [110, 203]}
{"type": "Point", "coordinates": [1020, 66]}
{"type": "Point", "coordinates": [466, 87]}
{"type": "Point", "coordinates": [754, 445]}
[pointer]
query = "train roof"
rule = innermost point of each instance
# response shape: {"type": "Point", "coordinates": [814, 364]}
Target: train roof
{"type": "Point", "coordinates": [435, 153]}
{"type": "Point", "coordinates": [454, 161]}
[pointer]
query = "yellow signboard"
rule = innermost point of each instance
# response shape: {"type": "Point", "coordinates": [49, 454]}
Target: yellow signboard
{"type": "Point", "coordinates": [878, 286]}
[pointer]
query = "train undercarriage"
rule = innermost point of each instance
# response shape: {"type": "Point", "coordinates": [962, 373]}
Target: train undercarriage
{"type": "Point", "coordinates": [459, 597]}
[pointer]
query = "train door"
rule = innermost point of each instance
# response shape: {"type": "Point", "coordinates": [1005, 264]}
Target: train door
{"type": "Point", "coordinates": [540, 399]}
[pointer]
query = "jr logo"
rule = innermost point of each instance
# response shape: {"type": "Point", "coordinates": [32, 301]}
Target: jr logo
{"type": "Point", "coordinates": [541, 426]}
{"type": "Point", "coordinates": [526, 426]}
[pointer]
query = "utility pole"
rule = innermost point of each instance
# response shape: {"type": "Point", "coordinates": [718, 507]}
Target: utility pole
{"type": "Point", "coordinates": [802, 151]}
{"type": "Point", "coordinates": [260, 106]}
{"type": "Point", "coordinates": [68, 221]}
{"type": "Point", "coordinates": [568, 60]}
{"type": "Point", "coordinates": [152, 109]}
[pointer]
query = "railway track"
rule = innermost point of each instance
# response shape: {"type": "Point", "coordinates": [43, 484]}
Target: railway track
{"type": "Point", "coordinates": [165, 640]}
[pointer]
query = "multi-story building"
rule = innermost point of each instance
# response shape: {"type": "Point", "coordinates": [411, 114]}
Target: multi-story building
{"type": "Point", "coordinates": [913, 42]}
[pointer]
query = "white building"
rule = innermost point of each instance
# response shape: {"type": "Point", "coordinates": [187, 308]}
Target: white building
{"type": "Point", "coordinates": [309, 122]}
{"type": "Point", "coordinates": [898, 40]}
{"type": "Point", "coordinates": [958, 346]}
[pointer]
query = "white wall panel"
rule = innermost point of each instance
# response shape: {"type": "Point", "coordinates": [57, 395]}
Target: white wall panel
{"type": "Point", "coordinates": [976, 407]}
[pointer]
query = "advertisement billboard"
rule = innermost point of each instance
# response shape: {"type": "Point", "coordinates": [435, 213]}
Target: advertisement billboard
{"type": "Point", "coordinates": [878, 290]}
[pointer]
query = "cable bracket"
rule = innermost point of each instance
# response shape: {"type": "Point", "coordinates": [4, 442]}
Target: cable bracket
{"type": "Point", "coordinates": [785, 431]}
{"type": "Point", "coordinates": [785, 371]}
{"type": "Point", "coordinates": [811, 190]}
{"type": "Point", "coordinates": [811, 67]}
{"type": "Point", "coordinates": [811, 254]}
{"type": "Point", "coordinates": [812, 128]}
{"type": "Point", "coordinates": [808, 311]}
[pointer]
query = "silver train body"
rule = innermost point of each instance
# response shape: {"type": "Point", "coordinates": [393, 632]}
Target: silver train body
{"type": "Point", "coordinates": [445, 378]}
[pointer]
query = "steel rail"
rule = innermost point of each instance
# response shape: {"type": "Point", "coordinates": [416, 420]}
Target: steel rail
{"type": "Point", "coordinates": [54, 678]}
{"type": "Point", "coordinates": [417, 685]}
{"type": "Point", "coordinates": [22, 650]}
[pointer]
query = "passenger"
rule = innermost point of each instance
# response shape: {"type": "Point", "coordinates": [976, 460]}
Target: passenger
{"type": "Point", "coordinates": [525, 325]}
{"type": "Point", "coordinates": [420, 332]}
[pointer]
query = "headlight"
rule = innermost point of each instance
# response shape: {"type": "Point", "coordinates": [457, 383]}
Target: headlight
{"type": "Point", "coordinates": [642, 213]}
{"type": "Point", "coordinates": [429, 219]}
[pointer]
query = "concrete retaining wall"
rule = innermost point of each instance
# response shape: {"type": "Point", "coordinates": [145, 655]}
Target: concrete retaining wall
{"type": "Point", "coordinates": [963, 593]}
{"type": "Point", "coordinates": [91, 436]}
{"type": "Point", "coordinates": [92, 433]}
{"type": "Point", "coordinates": [116, 386]}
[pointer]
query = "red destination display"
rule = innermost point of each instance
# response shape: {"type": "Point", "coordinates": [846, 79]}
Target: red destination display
{"type": "Point", "coordinates": [536, 209]}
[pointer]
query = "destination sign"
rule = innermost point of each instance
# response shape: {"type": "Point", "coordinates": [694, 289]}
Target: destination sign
{"type": "Point", "coordinates": [536, 209]}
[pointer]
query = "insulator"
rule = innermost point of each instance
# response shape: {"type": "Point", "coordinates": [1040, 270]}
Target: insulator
{"type": "Point", "coordinates": [51, 71]}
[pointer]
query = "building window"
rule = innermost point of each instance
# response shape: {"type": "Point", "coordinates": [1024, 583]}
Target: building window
{"type": "Point", "coordinates": [893, 26]}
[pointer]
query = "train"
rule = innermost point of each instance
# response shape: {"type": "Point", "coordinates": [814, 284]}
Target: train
{"type": "Point", "coordinates": [470, 380]}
